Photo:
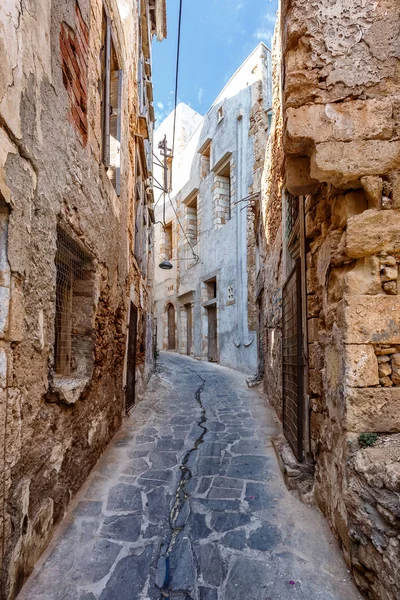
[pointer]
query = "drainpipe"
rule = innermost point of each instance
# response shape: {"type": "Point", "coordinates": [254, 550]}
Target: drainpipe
{"type": "Point", "coordinates": [241, 250]}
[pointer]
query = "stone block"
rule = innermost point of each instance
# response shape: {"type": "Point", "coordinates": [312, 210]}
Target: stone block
{"type": "Point", "coordinates": [373, 410]}
{"type": "Point", "coordinates": [372, 319]}
{"type": "Point", "coordinates": [344, 163]}
{"type": "Point", "coordinates": [364, 278]}
{"type": "Point", "coordinates": [313, 330]}
{"type": "Point", "coordinates": [315, 356]}
{"type": "Point", "coordinates": [315, 382]}
{"type": "Point", "coordinates": [373, 186]}
{"type": "Point", "coordinates": [395, 358]}
{"type": "Point", "coordinates": [389, 273]}
{"type": "Point", "coordinates": [361, 366]}
{"type": "Point", "coordinates": [373, 232]}
{"type": "Point", "coordinates": [396, 375]}
{"type": "Point", "coordinates": [298, 180]}
{"type": "Point", "coordinates": [390, 287]}
{"type": "Point", "coordinates": [314, 305]}
{"type": "Point", "coordinates": [395, 180]}
{"type": "Point", "coordinates": [385, 369]}
{"type": "Point", "coordinates": [342, 122]}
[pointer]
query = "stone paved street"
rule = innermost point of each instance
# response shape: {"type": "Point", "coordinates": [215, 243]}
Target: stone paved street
{"type": "Point", "coordinates": [188, 501]}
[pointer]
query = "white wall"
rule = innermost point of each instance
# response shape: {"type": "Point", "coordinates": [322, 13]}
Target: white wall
{"type": "Point", "coordinates": [222, 252]}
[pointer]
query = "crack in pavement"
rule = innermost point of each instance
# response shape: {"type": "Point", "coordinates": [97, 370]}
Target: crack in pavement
{"type": "Point", "coordinates": [181, 495]}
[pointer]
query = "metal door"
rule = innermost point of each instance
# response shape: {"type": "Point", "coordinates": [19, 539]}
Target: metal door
{"type": "Point", "coordinates": [212, 333]}
{"type": "Point", "coordinates": [292, 362]}
{"type": "Point", "coordinates": [131, 362]}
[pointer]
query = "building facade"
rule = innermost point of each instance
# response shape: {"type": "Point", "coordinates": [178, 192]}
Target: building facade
{"type": "Point", "coordinates": [328, 225]}
{"type": "Point", "coordinates": [76, 122]}
{"type": "Point", "coordinates": [202, 306]}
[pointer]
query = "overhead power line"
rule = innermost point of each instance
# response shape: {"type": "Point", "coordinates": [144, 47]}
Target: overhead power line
{"type": "Point", "coordinates": [178, 46]}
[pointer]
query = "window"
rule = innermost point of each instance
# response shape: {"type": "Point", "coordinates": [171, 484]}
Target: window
{"type": "Point", "coordinates": [205, 160]}
{"type": "Point", "coordinates": [220, 114]}
{"type": "Point", "coordinates": [138, 220]}
{"type": "Point", "coordinates": [167, 246]}
{"type": "Point", "coordinates": [209, 290]}
{"type": "Point", "coordinates": [192, 221]}
{"type": "Point", "coordinates": [111, 93]}
{"type": "Point", "coordinates": [222, 195]}
{"type": "Point", "coordinates": [74, 335]}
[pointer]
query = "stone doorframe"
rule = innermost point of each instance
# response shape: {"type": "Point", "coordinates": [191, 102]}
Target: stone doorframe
{"type": "Point", "coordinates": [185, 301]}
{"type": "Point", "coordinates": [168, 303]}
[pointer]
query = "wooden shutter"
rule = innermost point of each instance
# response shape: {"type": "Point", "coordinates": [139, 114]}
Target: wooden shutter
{"type": "Point", "coordinates": [115, 129]}
{"type": "Point", "coordinates": [106, 127]}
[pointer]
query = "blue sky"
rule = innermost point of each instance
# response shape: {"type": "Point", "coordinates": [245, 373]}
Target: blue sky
{"type": "Point", "coordinates": [216, 37]}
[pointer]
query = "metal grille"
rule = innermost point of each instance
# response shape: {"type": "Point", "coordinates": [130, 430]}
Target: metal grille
{"type": "Point", "coordinates": [73, 312]}
{"type": "Point", "coordinates": [292, 212]}
{"type": "Point", "coordinates": [292, 367]}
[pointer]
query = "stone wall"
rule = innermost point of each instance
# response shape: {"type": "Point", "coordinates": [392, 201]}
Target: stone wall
{"type": "Point", "coordinates": [340, 101]}
{"type": "Point", "coordinates": [52, 431]}
{"type": "Point", "coordinates": [269, 232]}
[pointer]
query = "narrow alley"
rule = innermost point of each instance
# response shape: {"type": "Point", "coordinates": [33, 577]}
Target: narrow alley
{"type": "Point", "coordinates": [188, 502]}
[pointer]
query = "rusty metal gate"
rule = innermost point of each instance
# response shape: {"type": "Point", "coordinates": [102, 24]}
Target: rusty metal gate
{"type": "Point", "coordinates": [292, 362]}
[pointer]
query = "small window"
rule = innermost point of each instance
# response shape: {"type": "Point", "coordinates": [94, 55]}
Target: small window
{"type": "Point", "coordinates": [222, 190]}
{"type": "Point", "coordinates": [205, 161]}
{"type": "Point", "coordinates": [74, 334]}
{"type": "Point", "coordinates": [111, 94]}
{"type": "Point", "coordinates": [192, 221]}
{"type": "Point", "coordinates": [220, 114]}
{"type": "Point", "coordinates": [167, 247]}
{"type": "Point", "coordinates": [210, 287]}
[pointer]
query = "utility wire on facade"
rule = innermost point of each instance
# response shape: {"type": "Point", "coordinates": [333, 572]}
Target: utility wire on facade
{"type": "Point", "coordinates": [196, 258]}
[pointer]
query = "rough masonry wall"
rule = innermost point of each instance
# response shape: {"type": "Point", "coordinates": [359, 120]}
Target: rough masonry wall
{"type": "Point", "coordinates": [50, 172]}
{"type": "Point", "coordinates": [341, 112]}
{"type": "Point", "coordinates": [270, 232]}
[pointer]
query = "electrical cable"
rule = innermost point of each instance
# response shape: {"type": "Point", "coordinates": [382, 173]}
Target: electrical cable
{"type": "Point", "coordinates": [183, 230]}
{"type": "Point", "coordinates": [159, 198]}
{"type": "Point", "coordinates": [177, 73]}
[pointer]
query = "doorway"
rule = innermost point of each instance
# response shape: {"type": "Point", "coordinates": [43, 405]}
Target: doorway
{"type": "Point", "coordinates": [212, 333]}
{"type": "Point", "coordinates": [189, 329]}
{"type": "Point", "coordinates": [171, 327]}
{"type": "Point", "coordinates": [131, 359]}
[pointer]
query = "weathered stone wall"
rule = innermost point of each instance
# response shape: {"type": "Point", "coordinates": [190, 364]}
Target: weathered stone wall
{"type": "Point", "coordinates": [51, 172]}
{"type": "Point", "coordinates": [269, 226]}
{"type": "Point", "coordinates": [340, 103]}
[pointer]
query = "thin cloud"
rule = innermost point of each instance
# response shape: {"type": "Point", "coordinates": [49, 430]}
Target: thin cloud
{"type": "Point", "coordinates": [265, 32]}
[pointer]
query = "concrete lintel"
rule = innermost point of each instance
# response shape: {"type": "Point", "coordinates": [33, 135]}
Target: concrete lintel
{"type": "Point", "coordinates": [190, 196]}
{"type": "Point", "coordinates": [203, 147]}
{"type": "Point", "coordinates": [221, 162]}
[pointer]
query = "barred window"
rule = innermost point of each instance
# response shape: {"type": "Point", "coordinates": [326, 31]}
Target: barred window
{"type": "Point", "coordinates": [74, 332]}
{"type": "Point", "coordinates": [292, 214]}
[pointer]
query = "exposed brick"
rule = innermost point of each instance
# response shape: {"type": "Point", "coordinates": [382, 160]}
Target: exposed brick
{"type": "Point", "coordinates": [74, 55]}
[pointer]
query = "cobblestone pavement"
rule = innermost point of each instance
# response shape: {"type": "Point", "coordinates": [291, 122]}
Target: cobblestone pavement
{"type": "Point", "coordinates": [188, 502]}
